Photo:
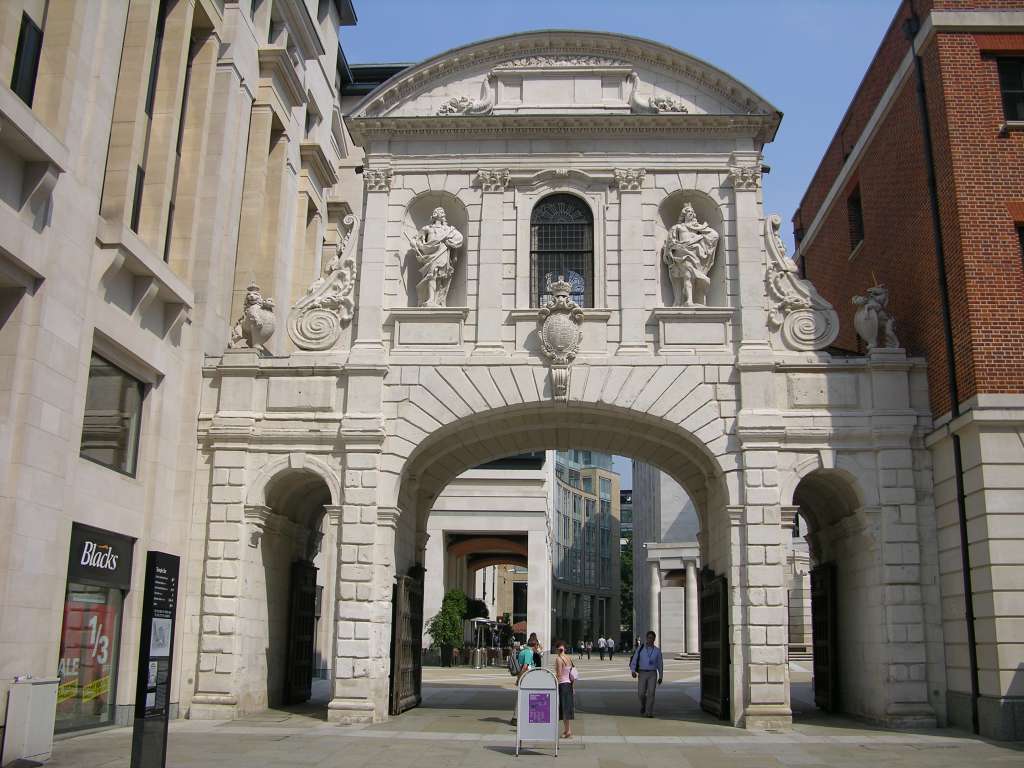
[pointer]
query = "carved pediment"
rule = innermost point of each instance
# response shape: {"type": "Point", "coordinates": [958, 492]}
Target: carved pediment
{"type": "Point", "coordinates": [561, 73]}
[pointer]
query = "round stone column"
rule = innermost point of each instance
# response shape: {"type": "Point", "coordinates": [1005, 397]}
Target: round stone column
{"type": "Point", "coordinates": [654, 606]}
{"type": "Point", "coordinates": [692, 641]}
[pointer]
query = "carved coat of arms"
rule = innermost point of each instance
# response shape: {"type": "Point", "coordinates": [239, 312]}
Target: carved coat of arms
{"type": "Point", "coordinates": [560, 328]}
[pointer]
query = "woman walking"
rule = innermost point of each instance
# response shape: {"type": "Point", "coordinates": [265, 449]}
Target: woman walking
{"type": "Point", "coordinates": [565, 673]}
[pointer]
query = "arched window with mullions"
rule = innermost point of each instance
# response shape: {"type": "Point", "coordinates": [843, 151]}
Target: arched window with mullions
{"type": "Point", "coordinates": [562, 245]}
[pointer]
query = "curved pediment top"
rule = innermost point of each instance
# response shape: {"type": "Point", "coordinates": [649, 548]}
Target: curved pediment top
{"type": "Point", "coordinates": [500, 76]}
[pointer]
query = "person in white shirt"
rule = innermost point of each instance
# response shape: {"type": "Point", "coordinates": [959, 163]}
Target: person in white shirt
{"type": "Point", "coordinates": [600, 647]}
{"type": "Point", "coordinates": [609, 645]}
{"type": "Point", "coordinates": [648, 667]}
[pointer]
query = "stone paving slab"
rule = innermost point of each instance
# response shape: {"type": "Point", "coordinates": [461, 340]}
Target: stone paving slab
{"type": "Point", "coordinates": [465, 722]}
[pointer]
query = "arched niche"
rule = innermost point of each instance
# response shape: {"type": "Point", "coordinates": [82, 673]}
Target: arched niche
{"type": "Point", "coordinates": [708, 211]}
{"type": "Point", "coordinates": [417, 216]}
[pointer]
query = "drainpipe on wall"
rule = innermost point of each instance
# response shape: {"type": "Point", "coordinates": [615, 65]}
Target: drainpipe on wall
{"type": "Point", "coordinates": [911, 27]}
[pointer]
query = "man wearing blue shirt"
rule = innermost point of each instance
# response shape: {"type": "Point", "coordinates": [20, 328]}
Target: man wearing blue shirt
{"type": "Point", "coordinates": [649, 668]}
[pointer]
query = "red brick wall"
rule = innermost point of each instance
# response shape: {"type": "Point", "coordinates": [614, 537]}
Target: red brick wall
{"type": "Point", "coordinates": [898, 247]}
{"type": "Point", "coordinates": [890, 53]}
{"type": "Point", "coordinates": [987, 170]}
{"type": "Point", "coordinates": [978, 173]}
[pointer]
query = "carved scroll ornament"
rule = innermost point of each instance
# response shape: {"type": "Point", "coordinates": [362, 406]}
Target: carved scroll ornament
{"type": "Point", "coordinates": [463, 105]}
{"type": "Point", "coordinates": [560, 328]}
{"type": "Point", "coordinates": [316, 320]}
{"type": "Point", "coordinates": [801, 318]}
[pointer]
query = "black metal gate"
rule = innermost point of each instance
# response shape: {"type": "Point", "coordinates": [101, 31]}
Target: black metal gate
{"type": "Point", "coordinates": [824, 636]}
{"type": "Point", "coordinates": [714, 644]}
{"type": "Point", "coordinates": [298, 679]}
{"type": "Point", "coordinates": [406, 645]}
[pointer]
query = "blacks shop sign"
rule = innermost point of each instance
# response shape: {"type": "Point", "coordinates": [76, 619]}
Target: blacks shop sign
{"type": "Point", "coordinates": [100, 558]}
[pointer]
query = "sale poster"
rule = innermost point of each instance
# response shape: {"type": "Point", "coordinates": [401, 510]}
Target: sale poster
{"type": "Point", "coordinates": [540, 708]}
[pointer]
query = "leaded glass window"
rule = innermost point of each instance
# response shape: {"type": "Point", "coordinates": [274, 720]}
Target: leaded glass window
{"type": "Point", "coordinates": [562, 245]}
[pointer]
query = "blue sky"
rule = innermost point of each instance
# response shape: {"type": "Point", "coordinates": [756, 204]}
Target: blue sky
{"type": "Point", "coordinates": [807, 57]}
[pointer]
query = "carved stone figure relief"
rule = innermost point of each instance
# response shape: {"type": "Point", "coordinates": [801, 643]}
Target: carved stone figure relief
{"type": "Point", "coordinates": [434, 247]}
{"type": "Point", "coordinates": [256, 324]}
{"type": "Point", "coordinates": [651, 104]}
{"type": "Point", "coordinates": [689, 253]}
{"type": "Point", "coordinates": [317, 319]}
{"type": "Point", "coordinates": [463, 105]}
{"type": "Point", "coordinates": [745, 177]}
{"type": "Point", "coordinates": [872, 320]}
{"type": "Point", "coordinates": [802, 319]}
{"type": "Point", "coordinates": [377, 179]}
{"type": "Point", "coordinates": [560, 328]}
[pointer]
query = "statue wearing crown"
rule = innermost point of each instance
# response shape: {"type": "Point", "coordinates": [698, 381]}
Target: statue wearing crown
{"type": "Point", "coordinates": [434, 247]}
{"type": "Point", "coordinates": [689, 254]}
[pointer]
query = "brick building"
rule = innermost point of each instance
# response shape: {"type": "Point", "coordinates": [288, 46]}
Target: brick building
{"type": "Point", "coordinates": [922, 190]}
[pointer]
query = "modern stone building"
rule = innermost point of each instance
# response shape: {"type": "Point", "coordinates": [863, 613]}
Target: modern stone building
{"type": "Point", "coordinates": [494, 515]}
{"type": "Point", "coordinates": [666, 567]}
{"type": "Point", "coordinates": [544, 241]}
{"type": "Point", "coordinates": [922, 191]}
{"type": "Point", "coordinates": [585, 546]}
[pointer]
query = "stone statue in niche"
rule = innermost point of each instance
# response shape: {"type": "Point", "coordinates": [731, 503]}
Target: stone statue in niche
{"type": "Point", "coordinates": [434, 247]}
{"type": "Point", "coordinates": [872, 320]}
{"type": "Point", "coordinates": [256, 325]}
{"type": "Point", "coordinates": [689, 254]}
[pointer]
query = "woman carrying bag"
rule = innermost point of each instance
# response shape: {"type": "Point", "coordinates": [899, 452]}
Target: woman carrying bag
{"type": "Point", "coordinates": [566, 674]}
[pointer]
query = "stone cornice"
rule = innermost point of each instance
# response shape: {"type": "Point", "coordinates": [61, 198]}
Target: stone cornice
{"type": "Point", "coordinates": [571, 44]}
{"type": "Point", "coordinates": [761, 128]}
{"type": "Point", "coordinates": [314, 158]}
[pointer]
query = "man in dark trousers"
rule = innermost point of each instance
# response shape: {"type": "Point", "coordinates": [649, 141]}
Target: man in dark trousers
{"type": "Point", "coordinates": [648, 667]}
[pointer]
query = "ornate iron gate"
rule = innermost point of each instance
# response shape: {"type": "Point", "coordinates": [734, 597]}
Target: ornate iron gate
{"type": "Point", "coordinates": [298, 679]}
{"type": "Point", "coordinates": [406, 645]}
{"type": "Point", "coordinates": [824, 636]}
{"type": "Point", "coordinates": [714, 644]}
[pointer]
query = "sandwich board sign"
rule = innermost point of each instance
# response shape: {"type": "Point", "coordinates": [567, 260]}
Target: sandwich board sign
{"type": "Point", "coordinates": [537, 715]}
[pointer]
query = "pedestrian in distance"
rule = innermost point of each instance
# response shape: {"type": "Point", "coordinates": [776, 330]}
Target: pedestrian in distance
{"type": "Point", "coordinates": [590, 647]}
{"type": "Point", "coordinates": [648, 668]}
{"type": "Point", "coordinates": [601, 646]}
{"type": "Point", "coordinates": [566, 674]}
{"type": "Point", "coordinates": [580, 647]}
{"type": "Point", "coordinates": [610, 644]}
{"type": "Point", "coordinates": [525, 659]}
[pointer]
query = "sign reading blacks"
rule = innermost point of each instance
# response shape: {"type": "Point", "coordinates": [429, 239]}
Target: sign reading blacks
{"type": "Point", "coordinates": [100, 558]}
{"type": "Point", "coordinates": [156, 653]}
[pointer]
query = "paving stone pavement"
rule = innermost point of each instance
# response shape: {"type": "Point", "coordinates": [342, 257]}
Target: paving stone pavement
{"type": "Point", "coordinates": [464, 721]}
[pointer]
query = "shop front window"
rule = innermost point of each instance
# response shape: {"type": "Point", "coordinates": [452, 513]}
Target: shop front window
{"type": "Point", "coordinates": [87, 668]}
{"type": "Point", "coordinates": [99, 574]}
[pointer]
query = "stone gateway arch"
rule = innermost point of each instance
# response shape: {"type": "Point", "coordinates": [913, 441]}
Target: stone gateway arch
{"type": "Point", "coordinates": [582, 179]}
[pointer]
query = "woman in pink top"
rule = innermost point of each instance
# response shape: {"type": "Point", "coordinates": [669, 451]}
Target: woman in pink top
{"type": "Point", "coordinates": [565, 673]}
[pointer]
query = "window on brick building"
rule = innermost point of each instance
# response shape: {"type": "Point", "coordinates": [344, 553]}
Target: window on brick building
{"type": "Point", "coordinates": [1020, 236]}
{"type": "Point", "coordinates": [1011, 85]}
{"type": "Point", "coordinates": [855, 216]}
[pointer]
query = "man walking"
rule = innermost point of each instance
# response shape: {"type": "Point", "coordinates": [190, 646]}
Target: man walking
{"type": "Point", "coordinates": [609, 645]}
{"type": "Point", "coordinates": [648, 666]}
{"type": "Point", "coordinates": [600, 646]}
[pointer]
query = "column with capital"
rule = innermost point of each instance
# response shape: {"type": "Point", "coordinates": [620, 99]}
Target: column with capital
{"type": "Point", "coordinates": [654, 597]}
{"type": "Point", "coordinates": [631, 261]}
{"type": "Point", "coordinates": [493, 182]}
{"type": "Point", "coordinates": [368, 343]}
{"type": "Point", "coordinates": [692, 613]}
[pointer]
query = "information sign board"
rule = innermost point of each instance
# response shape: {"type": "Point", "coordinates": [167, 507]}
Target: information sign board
{"type": "Point", "coordinates": [156, 654]}
{"type": "Point", "coordinates": [537, 716]}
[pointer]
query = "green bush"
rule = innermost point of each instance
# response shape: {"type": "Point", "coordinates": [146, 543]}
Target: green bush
{"type": "Point", "coordinates": [445, 628]}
